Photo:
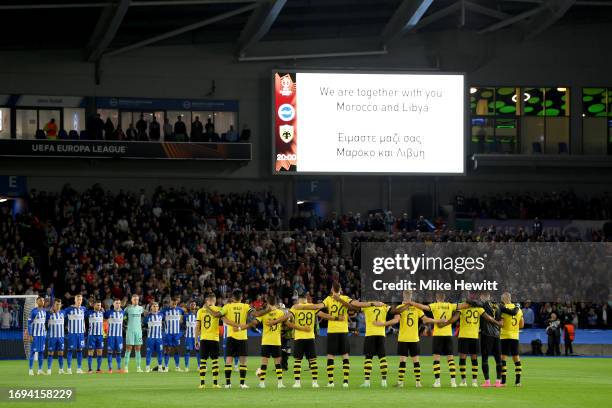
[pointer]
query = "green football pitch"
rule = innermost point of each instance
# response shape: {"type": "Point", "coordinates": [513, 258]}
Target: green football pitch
{"type": "Point", "coordinates": [547, 382]}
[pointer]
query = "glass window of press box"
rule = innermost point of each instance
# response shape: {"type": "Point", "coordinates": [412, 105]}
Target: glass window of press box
{"type": "Point", "coordinates": [513, 120]}
{"type": "Point", "coordinates": [221, 120]}
{"type": "Point", "coordinates": [31, 123]}
{"type": "Point", "coordinates": [5, 123]}
{"type": "Point", "coordinates": [597, 121]}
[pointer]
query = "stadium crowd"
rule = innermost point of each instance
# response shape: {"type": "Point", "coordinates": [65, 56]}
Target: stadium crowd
{"type": "Point", "coordinates": [550, 205]}
{"type": "Point", "coordinates": [191, 243]}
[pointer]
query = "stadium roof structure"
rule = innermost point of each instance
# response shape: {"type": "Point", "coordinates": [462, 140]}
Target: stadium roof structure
{"type": "Point", "coordinates": [103, 28]}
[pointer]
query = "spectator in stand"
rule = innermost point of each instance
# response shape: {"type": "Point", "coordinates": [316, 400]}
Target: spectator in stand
{"type": "Point", "coordinates": [403, 224]}
{"type": "Point", "coordinates": [118, 134]}
{"type": "Point", "coordinates": [180, 130]}
{"type": "Point", "coordinates": [537, 227]}
{"type": "Point", "coordinates": [209, 127]}
{"type": "Point", "coordinates": [553, 331]}
{"type": "Point", "coordinates": [154, 130]}
{"type": "Point", "coordinates": [421, 224]}
{"type": "Point", "coordinates": [231, 135]}
{"type": "Point", "coordinates": [51, 130]}
{"type": "Point", "coordinates": [197, 130]}
{"type": "Point", "coordinates": [592, 319]}
{"type": "Point", "coordinates": [109, 129]}
{"type": "Point", "coordinates": [528, 315]}
{"type": "Point", "coordinates": [96, 128]}
{"type": "Point", "coordinates": [131, 133]}
{"type": "Point", "coordinates": [167, 130]}
{"type": "Point", "coordinates": [245, 135]}
{"type": "Point", "coordinates": [142, 136]}
{"type": "Point", "coordinates": [141, 125]}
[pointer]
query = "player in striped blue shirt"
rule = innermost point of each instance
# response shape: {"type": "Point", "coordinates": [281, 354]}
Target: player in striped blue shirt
{"type": "Point", "coordinates": [76, 332]}
{"type": "Point", "coordinates": [153, 322]}
{"type": "Point", "coordinates": [173, 315]}
{"type": "Point", "coordinates": [95, 335]}
{"type": "Point", "coordinates": [55, 336]}
{"type": "Point", "coordinates": [37, 333]}
{"type": "Point", "coordinates": [114, 341]}
{"type": "Point", "coordinates": [190, 323]}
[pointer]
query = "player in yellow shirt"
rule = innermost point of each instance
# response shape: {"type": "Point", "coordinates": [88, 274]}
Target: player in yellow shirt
{"type": "Point", "coordinates": [236, 315]}
{"type": "Point", "coordinates": [510, 339]}
{"type": "Point", "coordinates": [271, 341]}
{"type": "Point", "coordinates": [408, 339]}
{"type": "Point", "coordinates": [303, 317]}
{"type": "Point", "coordinates": [207, 330]}
{"type": "Point", "coordinates": [469, 332]}
{"type": "Point", "coordinates": [374, 343]}
{"type": "Point", "coordinates": [442, 336]}
{"type": "Point", "coordinates": [337, 305]}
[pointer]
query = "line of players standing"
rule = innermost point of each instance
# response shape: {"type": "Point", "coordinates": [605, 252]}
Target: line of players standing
{"type": "Point", "coordinates": [474, 337]}
{"type": "Point", "coordinates": [85, 330]}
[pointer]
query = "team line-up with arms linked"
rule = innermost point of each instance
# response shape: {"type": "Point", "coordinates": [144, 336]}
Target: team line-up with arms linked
{"type": "Point", "coordinates": [485, 327]}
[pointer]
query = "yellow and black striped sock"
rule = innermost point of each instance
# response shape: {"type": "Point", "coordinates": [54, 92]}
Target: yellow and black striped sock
{"type": "Point", "coordinates": [518, 370]}
{"type": "Point", "coordinates": [262, 372]}
{"type": "Point", "coordinates": [384, 368]}
{"type": "Point", "coordinates": [314, 369]}
{"type": "Point", "coordinates": [346, 369]}
{"type": "Point", "coordinates": [297, 369]}
{"type": "Point", "coordinates": [367, 368]}
{"type": "Point", "coordinates": [417, 371]}
{"type": "Point", "coordinates": [451, 368]}
{"type": "Point", "coordinates": [202, 371]}
{"type": "Point", "coordinates": [401, 373]}
{"type": "Point", "coordinates": [215, 371]}
{"type": "Point", "coordinates": [504, 371]}
{"type": "Point", "coordinates": [474, 369]}
{"type": "Point", "coordinates": [462, 368]}
{"type": "Point", "coordinates": [228, 374]}
{"type": "Point", "coordinates": [279, 371]}
{"type": "Point", "coordinates": [330, 370]}
{"type": "Point", "coordinates": [243, 372]}
{"type": "Point", "coordinates": [436, 369]}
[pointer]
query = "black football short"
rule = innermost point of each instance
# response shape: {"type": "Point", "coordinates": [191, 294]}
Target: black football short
{"type": "Point", "coordinates": [304, 347]}
{"type": "Point", "coordinates": [442, 345]}
{"type": "Point", "coordinates": [408, 348]}
{"type": "Point", "coordinates": [510, 347]}
{"type": "Point", "coordinates": [374, 346]}
{"type": "Point", "coordinates": [469, 346]}
{"type": "Point", "coordinates": [270, 351]}
{"type": "Point", "coordinates": [209, 349]}
{"type": "Point", "coordinates": [236, 348]}
{"type": "Point", "coordinates": [337, 344]}
{"type": "Point", "coordinates": [490, 346]}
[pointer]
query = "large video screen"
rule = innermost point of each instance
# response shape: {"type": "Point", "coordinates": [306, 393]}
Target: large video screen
{"type": "Point", "coordinates": [343, 122]}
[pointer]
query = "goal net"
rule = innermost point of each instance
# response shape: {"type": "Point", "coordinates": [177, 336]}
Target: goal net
{"type": "Point", "coordinates": [14, 313]}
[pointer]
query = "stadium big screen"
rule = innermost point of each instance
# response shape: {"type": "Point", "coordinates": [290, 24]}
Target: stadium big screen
{"type": "Point", "coordinates": [368, 122]}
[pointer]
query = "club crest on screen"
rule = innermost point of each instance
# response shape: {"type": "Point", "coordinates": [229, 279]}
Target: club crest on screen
{"type": "Point", "coordinates": [286, 133]}
{"type": "Point", "coordinates": [286, 84]}
{"type": "Point", "coordinates": [286, 112]}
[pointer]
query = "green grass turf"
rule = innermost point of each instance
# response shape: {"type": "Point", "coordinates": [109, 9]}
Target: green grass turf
{"type": "Point", "coordinates": [547, 382]}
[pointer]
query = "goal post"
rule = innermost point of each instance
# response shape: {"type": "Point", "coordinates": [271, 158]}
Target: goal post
{"type": "Point", "coordinates": [14, 313]}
